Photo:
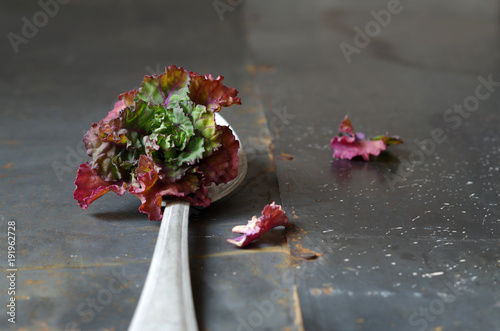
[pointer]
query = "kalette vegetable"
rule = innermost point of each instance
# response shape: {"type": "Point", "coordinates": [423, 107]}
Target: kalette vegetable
{"type": "Point", "coordinates": [272, 216]}
{"type": "Point", "coordinates": [161, 140]}
{"type": "Point", "coordinates": [349, 144]}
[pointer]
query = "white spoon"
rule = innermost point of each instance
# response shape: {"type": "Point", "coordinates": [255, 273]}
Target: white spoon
{"type": "Point", "coordinates": [166, 302]}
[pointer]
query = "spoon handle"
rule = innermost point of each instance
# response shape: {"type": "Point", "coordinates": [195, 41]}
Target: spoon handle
{"type": "Point", "coordinates": [166, 302]}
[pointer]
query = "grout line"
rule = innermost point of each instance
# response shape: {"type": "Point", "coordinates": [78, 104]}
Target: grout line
{"type": "Point", "coordinates": [271, 249]}
{"type": "Point", "coordinates": [79, 266]}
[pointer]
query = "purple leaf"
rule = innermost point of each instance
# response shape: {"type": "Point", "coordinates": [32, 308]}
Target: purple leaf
{"type": "Point", "coordinates": [272, 216]}
{"type": "Point", "coordinates": [348, 144]}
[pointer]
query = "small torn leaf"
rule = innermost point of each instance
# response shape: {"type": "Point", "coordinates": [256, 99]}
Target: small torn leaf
{"type": "Point", "coordinates": [348, 143]}
{"type": "Point", "coordinates": [272, 216]}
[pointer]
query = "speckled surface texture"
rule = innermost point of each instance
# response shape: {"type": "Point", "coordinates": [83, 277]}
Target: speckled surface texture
{"type": "Point", "coordinates": [407, 241]}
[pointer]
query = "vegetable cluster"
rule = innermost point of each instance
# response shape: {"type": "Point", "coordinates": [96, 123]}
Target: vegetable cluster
{"type": "Point", "coordinates": [161, 140]}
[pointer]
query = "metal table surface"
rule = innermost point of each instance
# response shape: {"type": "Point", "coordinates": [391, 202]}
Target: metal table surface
{"type": "Point", "coordinates": [407, 241]}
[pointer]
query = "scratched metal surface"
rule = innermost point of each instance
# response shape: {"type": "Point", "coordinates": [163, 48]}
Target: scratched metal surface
{"type": "Point", "coordinates": [85, 269]}
{"type": "Point", "coordinates": [367, 252]}
{"type": "Point", "coordinates": [374, 251]}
